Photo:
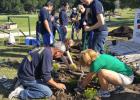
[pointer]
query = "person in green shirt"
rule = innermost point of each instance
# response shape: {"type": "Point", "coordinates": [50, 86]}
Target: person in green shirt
{"type": "Point", "coordinates": [108, 69]}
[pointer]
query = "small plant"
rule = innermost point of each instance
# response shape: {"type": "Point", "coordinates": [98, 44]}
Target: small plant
{"type": "Point", "coordinates": [56, 66]}
{"type": "Point", "coordinates": [72, 82]}
{"type": "Point", "coordinates": [90, 93]}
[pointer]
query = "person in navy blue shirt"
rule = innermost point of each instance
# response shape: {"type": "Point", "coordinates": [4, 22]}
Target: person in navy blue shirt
{"type": "Point", "coordinates": [98, 25]}
{"type": "Point", "coordinates": [46, 23]}
{"type": "Point", "coordinates": [74, 21]}
{"type": "Point", "coordinates": [85, 20]}
{"type": "Point", "coordinates": [63, 20]}
{"type": "Point", "coordinates": [55, 24]}
{"type": "Point", "coordinates": [82, 11]}
{"type": "Point", "coordinates": [34, 73]}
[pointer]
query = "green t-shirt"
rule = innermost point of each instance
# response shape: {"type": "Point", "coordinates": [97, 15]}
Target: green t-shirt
{"type": "Point", "coordinates": [105, 61]}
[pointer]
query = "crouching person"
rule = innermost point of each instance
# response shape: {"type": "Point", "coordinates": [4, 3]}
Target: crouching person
{"type": "Point", "coordinates": [108, 69]}
{"type": "Point", "coordinates": [34, 73]}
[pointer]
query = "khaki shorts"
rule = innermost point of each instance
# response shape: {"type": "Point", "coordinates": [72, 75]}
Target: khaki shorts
{"type": "Point", "coordinates": [126, 80]}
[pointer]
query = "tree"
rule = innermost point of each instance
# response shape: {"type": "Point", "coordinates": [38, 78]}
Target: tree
{"type": "Point", "coordinates": [130, 4]}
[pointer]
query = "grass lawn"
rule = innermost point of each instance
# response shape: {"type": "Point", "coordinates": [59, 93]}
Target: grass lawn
{"type": "Point", "coordinates": [16, 53]}
{"type": "Point", "coordinates": [21, 22]}
{"type": "Point", "coordinates": [126, 18]}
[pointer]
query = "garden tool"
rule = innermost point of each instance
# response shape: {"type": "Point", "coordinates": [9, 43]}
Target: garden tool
{"type": "Point", "coordinates": [73, 66]}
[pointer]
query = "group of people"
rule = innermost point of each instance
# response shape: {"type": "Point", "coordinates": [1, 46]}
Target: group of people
{"type": "Point", "coordinates": [92, 23]}
{"type": "Point", "coordinates": [34, 72]}
{"type": "Point", "coordinates": [47, 24]}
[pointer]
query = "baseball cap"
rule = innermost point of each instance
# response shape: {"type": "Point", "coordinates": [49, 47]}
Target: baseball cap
{"type": "Point", "coordinates": [60, 45]}
{"type": "Point", "coordinates": [74, 9]}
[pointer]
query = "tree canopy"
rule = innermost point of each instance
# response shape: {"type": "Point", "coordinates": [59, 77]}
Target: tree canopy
{"type": "Point", "coordinates": [22, 6]}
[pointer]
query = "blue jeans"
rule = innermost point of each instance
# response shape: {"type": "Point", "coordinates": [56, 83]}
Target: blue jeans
{"type": "Point", "coordinates": [34, 90]}
{"type": "Point", "coordinates": [91, 34]}
{"type": "Point", "coordinates": [85, 39]}
{"type": "Point", "coordinates": [99, 40]}
{"type": "Point", "coordinates": [75, 26]}
{"type": "Point", "coordinates": [47, 39]}
{"type": "Point", "coordinates": [63, 33]}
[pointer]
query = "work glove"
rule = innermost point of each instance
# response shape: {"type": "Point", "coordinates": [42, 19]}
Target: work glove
{"type": "Point", "coordinates": [51, 38]}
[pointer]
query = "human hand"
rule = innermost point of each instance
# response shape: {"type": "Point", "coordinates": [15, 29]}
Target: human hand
{"type": "Point", "coordinates": [61, 86]}
{"type": "Point", "coordinates": [52, 18]}
{"type": "Point", "coordinates": [87, 28]}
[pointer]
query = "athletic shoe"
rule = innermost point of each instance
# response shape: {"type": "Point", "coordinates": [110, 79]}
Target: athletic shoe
{"type": "Point", "coordinates": [103, 93]}
{"type": "Point", "coordinates": [16, 92]}
{"type": "Point", "coordinates": [118, 89]}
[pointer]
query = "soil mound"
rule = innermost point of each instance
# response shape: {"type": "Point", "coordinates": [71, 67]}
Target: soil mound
{"type": "Point", "coordinates": [122, 31]}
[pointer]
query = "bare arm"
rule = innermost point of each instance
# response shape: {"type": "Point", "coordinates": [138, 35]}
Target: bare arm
{"type": "Point", "coordinates": [87, 80]}
{"type": "Point", "coordinates": [101, 21]}
{"type": "Point", "coordinates": [47, 26]}
{"type": "Point", "coordinates": [55, 84]}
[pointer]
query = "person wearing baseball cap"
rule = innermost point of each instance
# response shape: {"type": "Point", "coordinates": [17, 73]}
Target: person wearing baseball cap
{"type": "Point", "coordinates": [37, 65]}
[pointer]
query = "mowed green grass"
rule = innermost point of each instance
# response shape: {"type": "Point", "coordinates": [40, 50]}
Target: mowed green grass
{"type": "Point", "coordinates": [19, 51]}
{"type": "Point", "coordinates": [126, 18]}
{"type": "Point", "coordinates": [21, 22]}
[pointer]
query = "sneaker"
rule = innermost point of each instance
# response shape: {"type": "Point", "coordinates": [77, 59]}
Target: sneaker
{"type": "Point", "coordinates": [118, 89]}
{"type": "Point", "coordinates": [16, 92]}
{"type": "Point", "coordinates": [3, 79]}
{"type": "Point", "coordinates": [103, 93]}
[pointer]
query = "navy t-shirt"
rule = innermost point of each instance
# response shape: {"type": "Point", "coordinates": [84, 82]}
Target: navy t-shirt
{"type": "Point", "coordinates": [63, 18]}
{"type": "Point", "coordinates": [44, 15]}
{"type": "Point", "coordinates": [36, 65]}
{"type": "Point", "coordinates": [96, 8]}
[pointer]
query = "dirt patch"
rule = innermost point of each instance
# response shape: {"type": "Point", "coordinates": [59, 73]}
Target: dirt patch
{"type": "Point", "coordinates": [122, 31]}
{"type": "Point", "coordinates": [70, 79]}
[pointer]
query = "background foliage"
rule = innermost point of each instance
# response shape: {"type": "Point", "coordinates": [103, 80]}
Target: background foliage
{"type": "Point", "coordinates": [32, 6]}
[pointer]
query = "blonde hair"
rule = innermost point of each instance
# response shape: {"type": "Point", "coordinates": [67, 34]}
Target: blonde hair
{"type": "Point", "coordinates": [87, 56]}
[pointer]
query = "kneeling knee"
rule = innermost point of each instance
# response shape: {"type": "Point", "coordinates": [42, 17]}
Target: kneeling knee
{"type": "Point", "coordinates": [49, 93]}
{"type": "Point", "coordinates": [101, 72]}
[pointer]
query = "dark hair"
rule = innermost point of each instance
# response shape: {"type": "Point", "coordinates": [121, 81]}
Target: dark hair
{"type": "Point", "coordinates": [49, 3]}
{"type": "Point", "coordinates": [53, 12]}
{"type": "Point", "coordinates": [64, 4]}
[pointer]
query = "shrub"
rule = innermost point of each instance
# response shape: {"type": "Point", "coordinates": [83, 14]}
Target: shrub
{"type": "Point", "coordinates": [90, 93]}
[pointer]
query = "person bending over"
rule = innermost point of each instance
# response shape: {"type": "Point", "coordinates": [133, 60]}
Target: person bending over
{"type": "Point", "coordinates": [34, 73]}
{"type": "Point", "coordinates": [108, 69]}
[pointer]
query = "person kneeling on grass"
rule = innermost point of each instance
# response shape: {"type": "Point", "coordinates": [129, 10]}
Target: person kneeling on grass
{"type": "Point", "coordinates": [34, 73]}
{"type": "Point", "coordinates": [108, 69]}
